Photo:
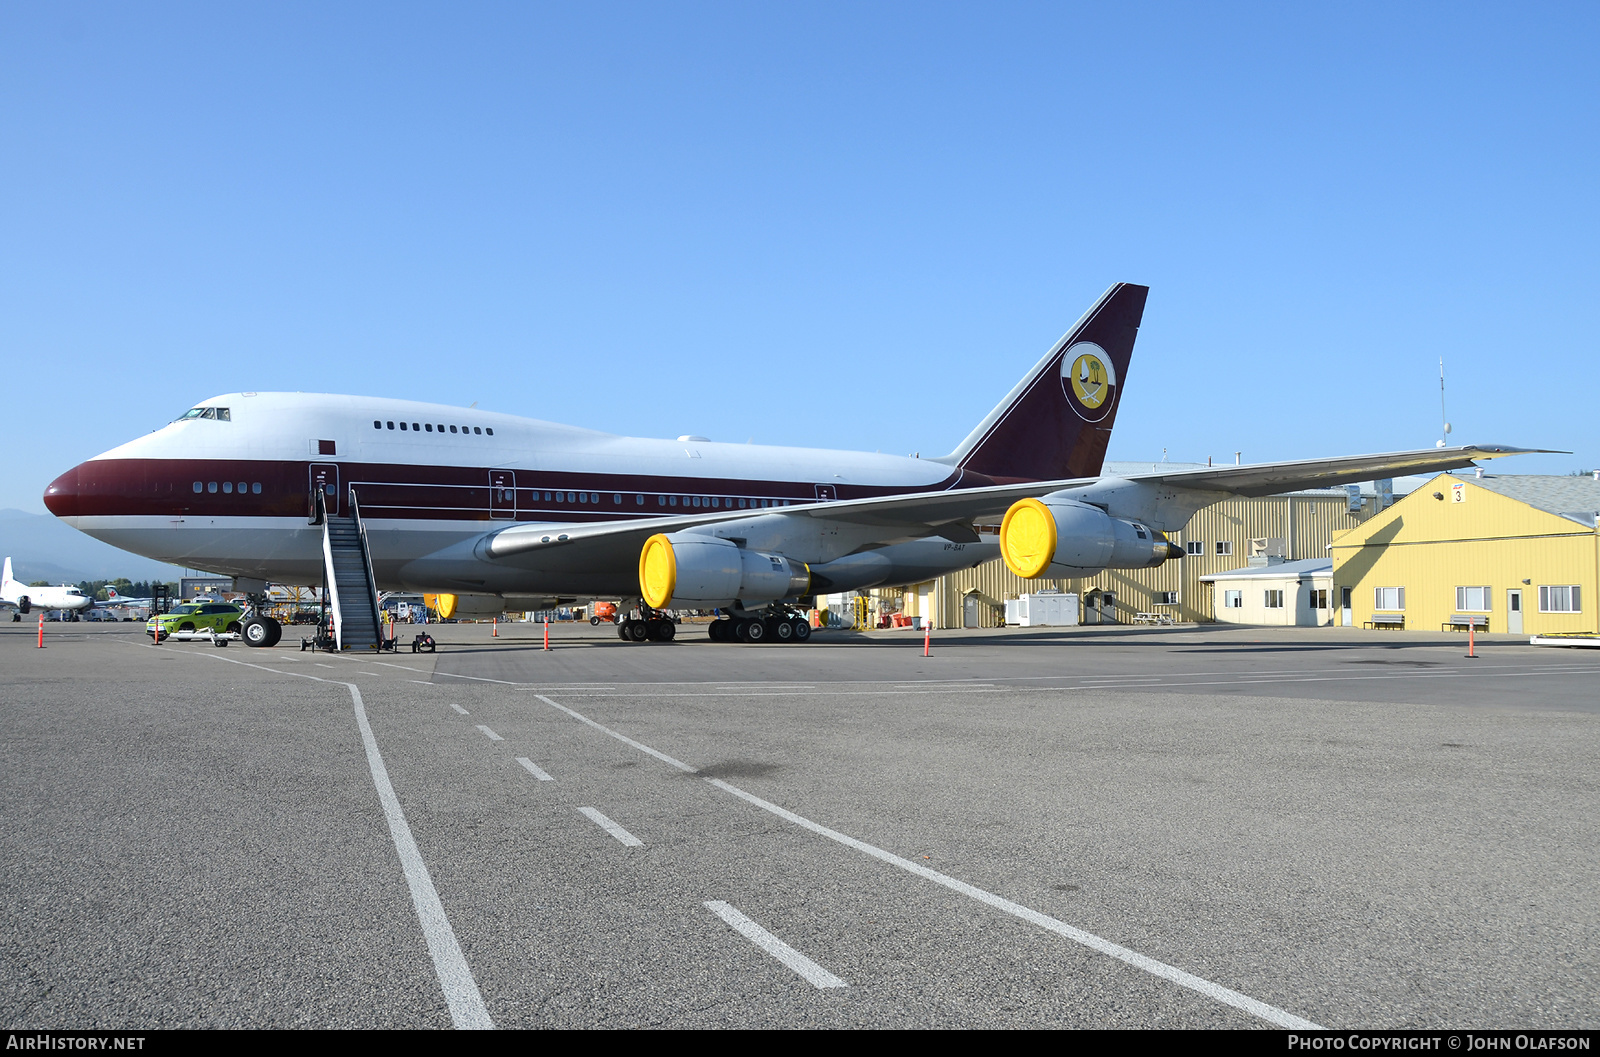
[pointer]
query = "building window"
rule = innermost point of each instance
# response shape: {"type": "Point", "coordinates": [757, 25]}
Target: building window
{"type": "Point", "coordinates": [1272, 599]}
{"type": "Point", "coordinates": [1233, 600]}
{"type": "Point", "coordinates": [1560, 599]}
{"type": "Point", "coordinates": [1389, 598]}
{"type": "Point", "coordinates": [1224, 546]}
{"type": "Point", "coordinates": [1319, 598]}
{"type": "Point", "coordinates": [1472, 599]}
{"type": "Point", "coordinates": [1166, 598]}
{"type": "Point", "coordinates": [1195, 547]}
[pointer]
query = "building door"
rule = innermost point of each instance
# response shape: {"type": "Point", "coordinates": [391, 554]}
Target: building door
{"type": "Point", "coordinates": [1514, 611]}
{"type": "Point", "coordinates": [1344, 607]}
{"type": "Point", "coordinates": [502, 494]}
{"type": "Point", "coordinates": [326, 477]}
{"type": "Point", "coordinates": [969, 611]}
{"type": "Point", "coordinates": [1108, 607]}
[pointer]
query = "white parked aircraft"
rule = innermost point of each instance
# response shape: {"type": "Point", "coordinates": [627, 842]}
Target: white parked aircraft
{"type": "Point", "coordinates": [507, 512]}
{"type": "Point", "coordinates": [24, 598]}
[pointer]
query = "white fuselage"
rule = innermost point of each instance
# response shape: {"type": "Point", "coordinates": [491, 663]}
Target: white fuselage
{"type": "Point", "coordinates": [227, 489]}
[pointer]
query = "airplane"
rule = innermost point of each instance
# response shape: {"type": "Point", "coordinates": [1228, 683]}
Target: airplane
{"type": "Point", "coordinates": [493, 511]}
{"type": "Point", "coordinates": [114, 599]}
{"type": "Point", "coordinates": [24, 598]}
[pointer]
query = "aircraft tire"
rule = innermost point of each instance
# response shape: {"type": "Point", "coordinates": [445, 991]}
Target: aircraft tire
{"type": "Point", "coordinates": [637, 631]}
{"type": "Point", "coordinates": [622, 630]}
{"type": "Point", "coordinates": [668, 631]}
{"type": "Point", "coordinates": [802, 631]}
{"type": "Point", "coordinates": [754, 631]}
{"type": "Point", "coordinates": [719, 629]}
{"type": "Point", "coordinates": [276, 629]}
{"type": "Point", "coordinates": [782, 630]}
{"type": "Point", "coordinates": [256, 632]}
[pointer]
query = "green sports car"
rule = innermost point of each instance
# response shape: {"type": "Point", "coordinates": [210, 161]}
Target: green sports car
{"type": "Point", "coordinates": [196, 616]}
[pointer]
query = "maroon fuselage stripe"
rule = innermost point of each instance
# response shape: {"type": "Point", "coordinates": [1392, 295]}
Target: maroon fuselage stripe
{"type": "Point", "coordinates": [165, 488]}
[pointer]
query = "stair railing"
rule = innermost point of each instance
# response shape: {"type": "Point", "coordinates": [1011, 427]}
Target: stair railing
{"type": "Point", "coordinates": [366, 563]}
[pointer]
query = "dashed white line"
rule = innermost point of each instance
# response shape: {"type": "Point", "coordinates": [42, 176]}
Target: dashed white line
{"type": "Point", "coordinates": [622, 835]}
{"type": "Point", "coordinates": [1226, 996]}
{"type": "Point", "coordinates": [491, 735]}
{"type": "Point", "coordinates": [533, 769]}
{"type": "Point", "coordinates": [813, 973]}
{"type": "Point", "coordinates": [459, 709]}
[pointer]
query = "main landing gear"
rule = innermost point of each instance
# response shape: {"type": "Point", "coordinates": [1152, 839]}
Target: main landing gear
{"type": "Point", "coordinates": [777, 624]}
{"type": "Point", "coordinates": [651, 624]}
{"type": "Point", "coordinates": [257, 630]}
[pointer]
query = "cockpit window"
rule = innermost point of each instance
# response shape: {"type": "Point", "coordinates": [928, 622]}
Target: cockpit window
{"type": "Point", "coordinates": [220, 414]}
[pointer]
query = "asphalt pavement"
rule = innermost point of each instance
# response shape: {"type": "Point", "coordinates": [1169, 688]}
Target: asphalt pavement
{"type": "Point", "coordinates": [1097, 827]}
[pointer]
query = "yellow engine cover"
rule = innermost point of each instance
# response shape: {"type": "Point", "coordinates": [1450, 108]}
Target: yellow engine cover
{"type": "Point", "coordinates": [1028, 538]}
{"type": "Point", "coordinates": [444, 605]}
{"type": "Point", "coordinates": [658, 571]}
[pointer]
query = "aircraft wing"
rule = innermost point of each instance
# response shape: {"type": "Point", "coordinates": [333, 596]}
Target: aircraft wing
{"type": "Point", "coordinates": [951, 511]}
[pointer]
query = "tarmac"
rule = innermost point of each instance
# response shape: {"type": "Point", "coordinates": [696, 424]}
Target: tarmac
{"type": "Point", "coordinates": [1110, 827]}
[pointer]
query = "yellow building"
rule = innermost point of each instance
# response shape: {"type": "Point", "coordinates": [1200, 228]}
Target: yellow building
{"type": "Point", "coordinates": [1520, 553]}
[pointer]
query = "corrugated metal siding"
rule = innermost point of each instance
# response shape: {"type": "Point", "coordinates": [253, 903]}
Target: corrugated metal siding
{"type": "Point", "coordinates": [1307, 530]}
{"type": "Point", "coordinates": [1432, 546]}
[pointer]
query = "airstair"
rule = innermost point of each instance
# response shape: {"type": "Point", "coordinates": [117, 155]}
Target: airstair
{"type": "Point", "coordinates": [347, 569]}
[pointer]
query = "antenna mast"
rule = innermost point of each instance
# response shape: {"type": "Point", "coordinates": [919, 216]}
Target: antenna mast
{"type": "Point", "coordinates": [1443, 437]}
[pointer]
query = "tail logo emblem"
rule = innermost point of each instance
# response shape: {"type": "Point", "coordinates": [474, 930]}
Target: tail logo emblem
{"type": "Point", "coordinates": [1089, 381]}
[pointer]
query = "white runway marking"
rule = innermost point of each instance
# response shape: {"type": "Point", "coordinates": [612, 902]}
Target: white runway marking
{"type": "Point", "coordinates": [459, 709]}
{"type": "Point", "coordinates": [1216, 992]}
{"type": "Point", "coordinates": [533, 769]}
{"type": "Point", "coordinates": [647, 750]}
{"type": "Point", "coordinates": [813, 973]}
{"type": "Point", "coordinates": [1225, 995]}
{"type": "Point", "coordinates": [491, 735]}
{"type": "Point", "coordinates": [611, 827]}
{"type": "Point", "coordinates": [449, 964]}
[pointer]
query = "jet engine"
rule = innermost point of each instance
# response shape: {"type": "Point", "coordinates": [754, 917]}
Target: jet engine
{"type": "Point", "coordinates": [448, 606]}
{"type": "Point", "coordinates": [705, 571]}
{"type": "Point", "coordinates": [1065, 538]}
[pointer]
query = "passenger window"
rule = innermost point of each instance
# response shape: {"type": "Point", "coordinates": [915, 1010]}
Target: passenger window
{"type": "Point", "coordinates": [452, 429]}
{"type": "Point", "coordinates": [617, 499]}
{"type": "Point", "coordinates": [477, 429]}
{"type": "Point", "coordinates": [490, 432]}
{"type": "Point", "coordinates": [256, 488]}
{"type": "Point", "coordinates": [441, 427]}
{"type": "Point", "coordinates": [227, 487]}
{"type": "Point", "coordinates": [197, 486]}
{"type": "Point", "coordinates": [211, 486]}
{"type": "Point", "coordinates": [402, 425]}
{"type": "Point", "coordinates": [429, 427]}
{"type": "Point", "coordinates": [377, 423]}
{"type": "Point", "coordinates": [638, 500]}
{"type": "Point", "coordinates": [391, 425]}
{"type": "Point", "coordinates": [241, 487]}
{"type": "Point", "coordinates": [416, 427]}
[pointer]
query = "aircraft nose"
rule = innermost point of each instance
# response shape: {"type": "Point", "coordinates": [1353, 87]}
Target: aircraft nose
{"type": "Point", "coordinates": [61, 498]}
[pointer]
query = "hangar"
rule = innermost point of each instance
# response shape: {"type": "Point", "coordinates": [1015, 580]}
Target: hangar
{"type": "Point", "coordinates": [1505, 553]}
{"type": "Point", "coordinates": [1218, 539]}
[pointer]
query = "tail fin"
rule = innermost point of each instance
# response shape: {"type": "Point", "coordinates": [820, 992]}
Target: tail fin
{"type": "Point", "coordinates": [6, 577]}
{"type": "Point", "coordinates": [1056, 422]}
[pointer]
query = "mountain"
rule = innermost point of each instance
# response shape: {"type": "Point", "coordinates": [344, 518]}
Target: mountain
{"type": "Point", "coordinates": [44, 548]}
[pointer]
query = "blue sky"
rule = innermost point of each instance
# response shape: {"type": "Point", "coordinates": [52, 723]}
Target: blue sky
{"type": "Point", "coordinates": [843, 225]}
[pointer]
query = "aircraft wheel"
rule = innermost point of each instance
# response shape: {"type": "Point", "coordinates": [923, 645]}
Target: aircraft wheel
{"type": "Point", "coordinates": [782, 630]}
{"type": "Point", "coordinates": [637, 631]}
{"type": "Point", "coordinates": [622, 630]}
{"type": "Point", "coordinates": [802, 631]}
{"type": "Point", "coordinates": [256, 632]}
{"type": "Point", "coordinates": [718, 630]}
{"type": "Point", "coordinates": [275, 628]}
{"type": "Point", "coordinates": [666, 631]}
{"type": "Point", "coordinates": [754, 631]}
